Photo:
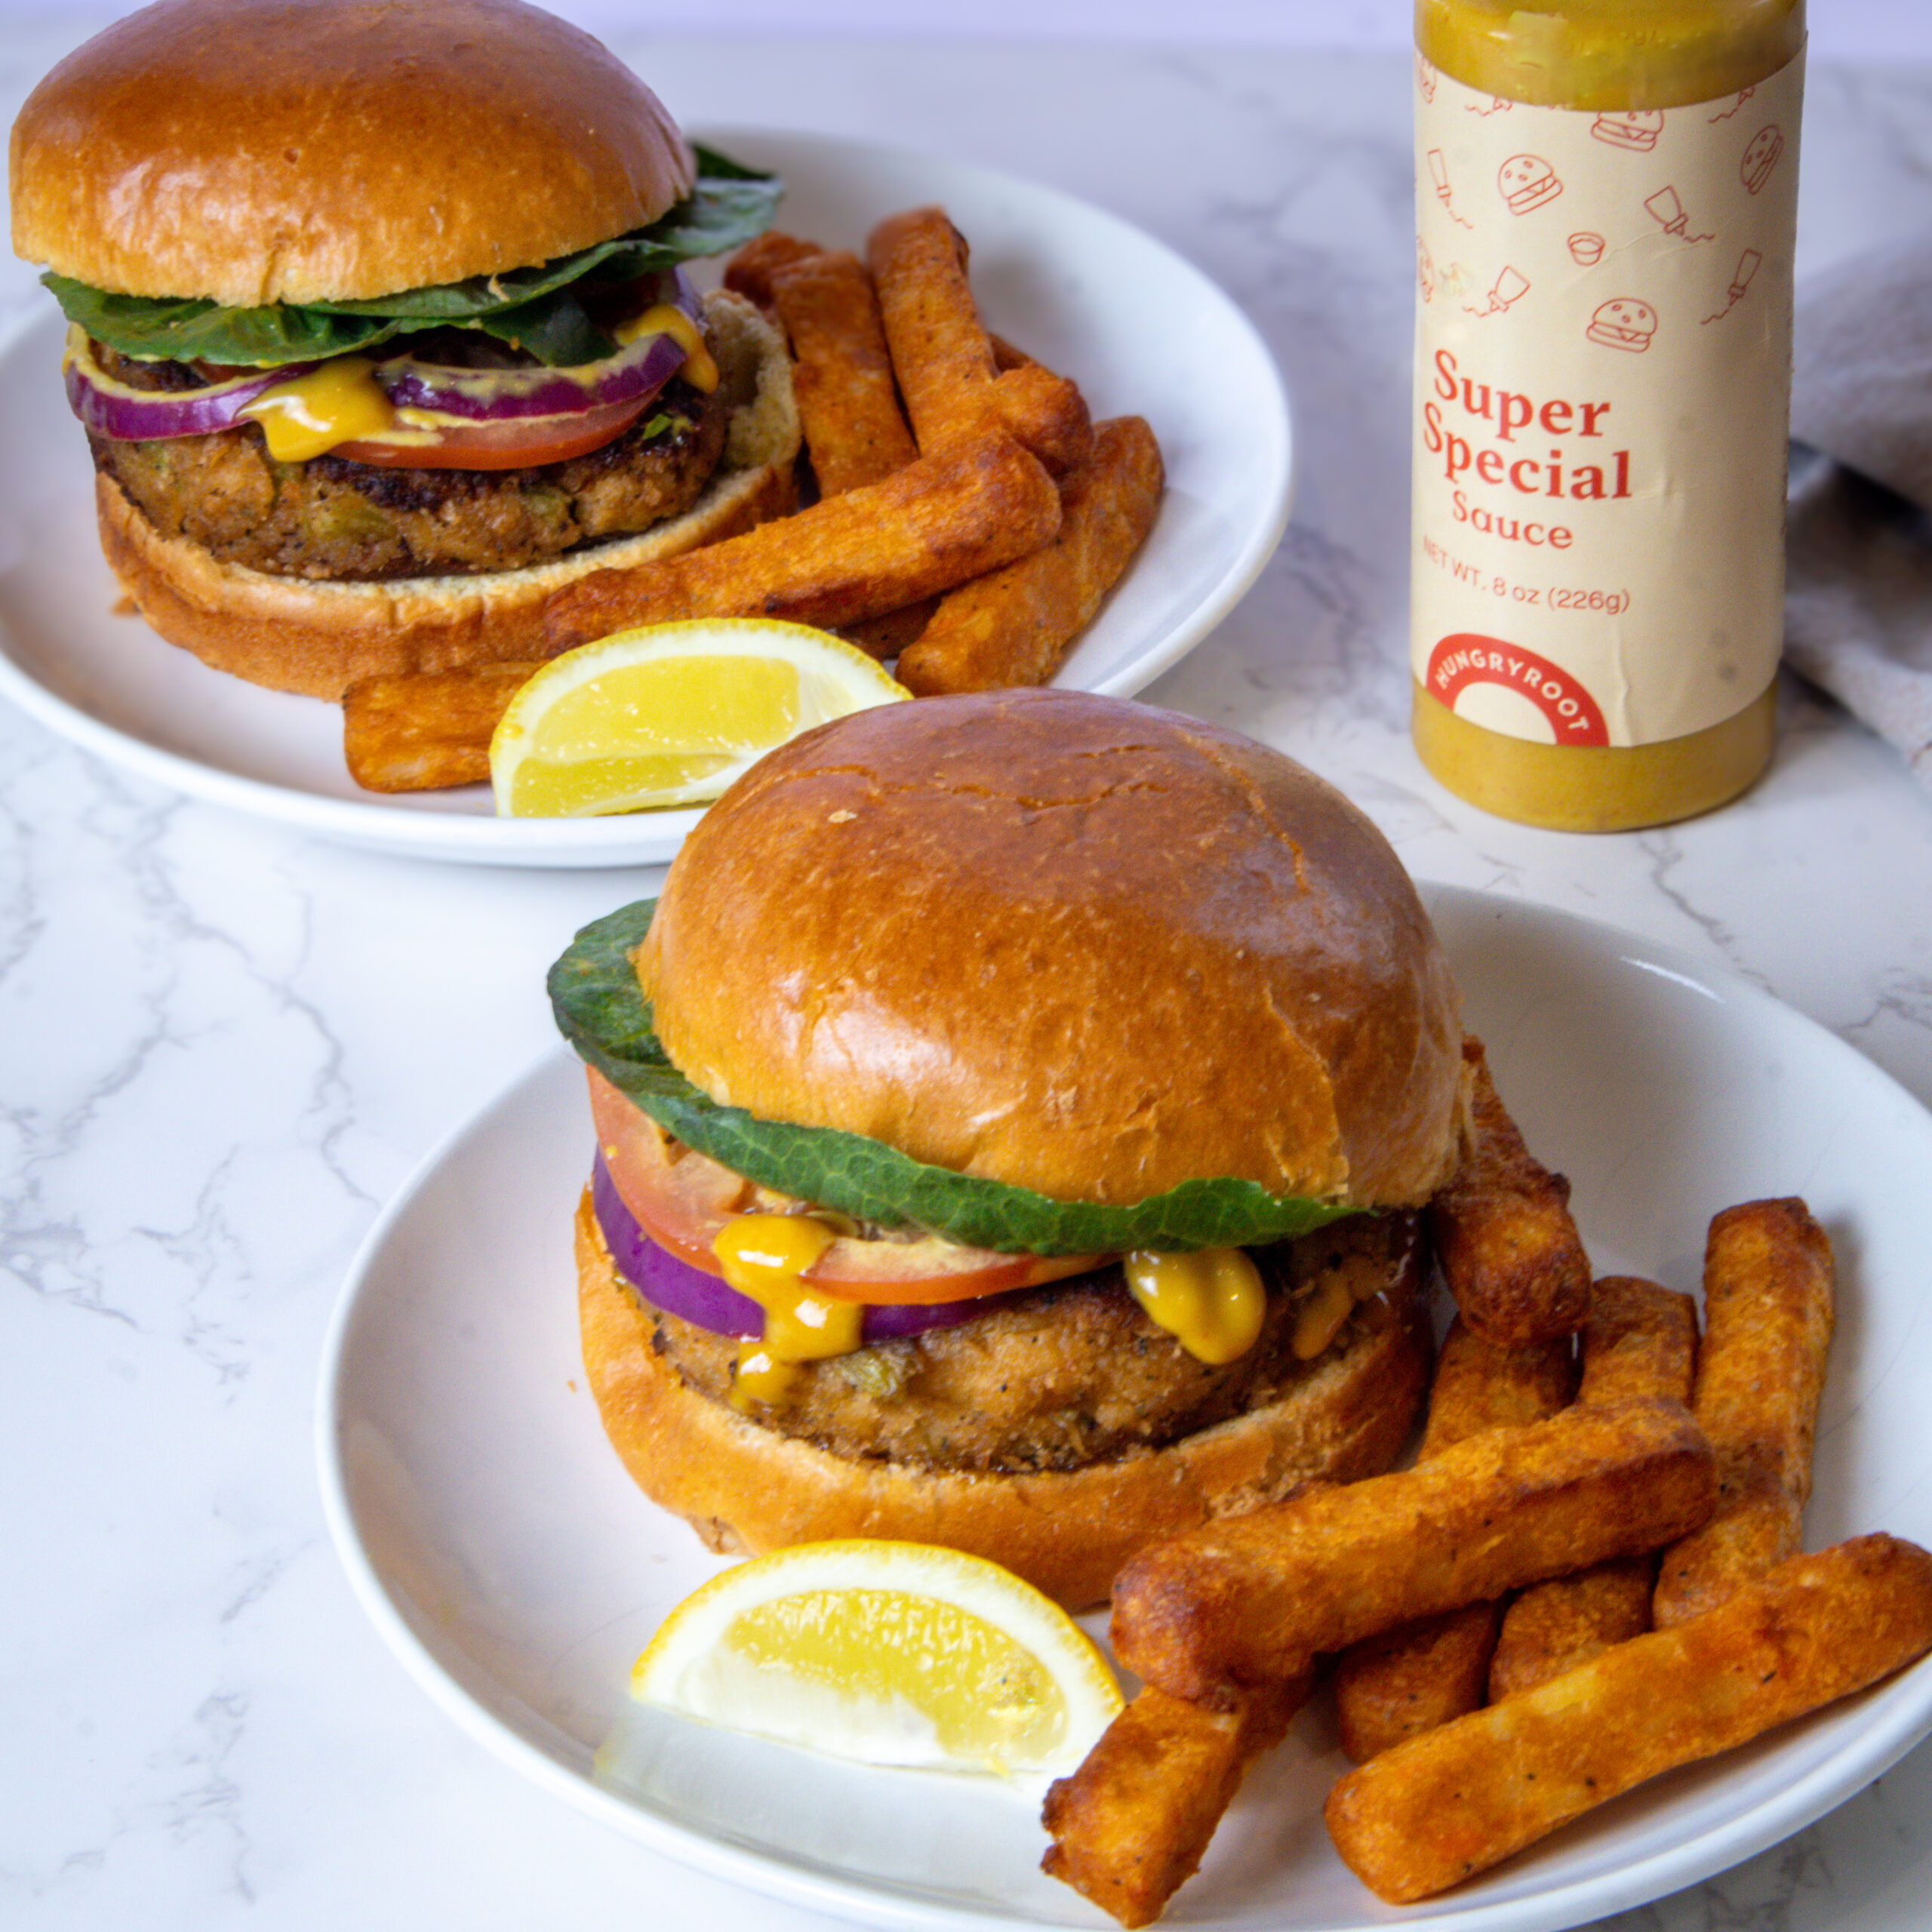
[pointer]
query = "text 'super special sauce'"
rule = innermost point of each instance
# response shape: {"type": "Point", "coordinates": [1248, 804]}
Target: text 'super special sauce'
{"type": "Point", "coordinates": [1606, 198]}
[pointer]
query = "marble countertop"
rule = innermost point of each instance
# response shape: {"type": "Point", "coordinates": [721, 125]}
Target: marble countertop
{"type": "Point", "coordinates": [223, 1046]}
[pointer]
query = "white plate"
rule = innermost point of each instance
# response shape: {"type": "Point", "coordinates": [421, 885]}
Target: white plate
{"type": "Point", "coordinates": [1077, 287]}
{"type": "Point", "coordinates": [499, 1546]}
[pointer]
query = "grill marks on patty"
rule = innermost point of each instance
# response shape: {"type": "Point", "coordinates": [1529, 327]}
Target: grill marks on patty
{"type": "Point", "coordinates": [1068, 1374]}
{"type": "Point", "coordinates": [332, 518]}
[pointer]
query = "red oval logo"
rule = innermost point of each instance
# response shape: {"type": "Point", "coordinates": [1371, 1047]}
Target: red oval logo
{"type": "Point", "coordinates": [1469, 658]}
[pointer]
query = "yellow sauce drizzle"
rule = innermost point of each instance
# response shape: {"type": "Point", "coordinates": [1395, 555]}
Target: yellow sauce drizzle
{"type": "Point", "coordinates": [337, 403]}
{"type": "Point", "coordinates": [699, 370]}
{"type": "Point", "coordinates": [1320, 1316]}
{"type": "Point", "coordinates": [1212, 1303]}
{"type": "Point", "coordinates": [764, 1256]}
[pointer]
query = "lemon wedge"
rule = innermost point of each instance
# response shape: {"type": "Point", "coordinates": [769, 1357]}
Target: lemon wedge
{"type": "Point", "coordinates": [670, 714]}
{"type": "Point", "coordinates": [888, 1654]}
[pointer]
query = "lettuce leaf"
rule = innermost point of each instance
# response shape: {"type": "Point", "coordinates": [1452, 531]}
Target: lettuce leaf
{"type": "Point", "coordinates": [539, 309]}
{"type": "Point", "coordinates": [600, 1010]}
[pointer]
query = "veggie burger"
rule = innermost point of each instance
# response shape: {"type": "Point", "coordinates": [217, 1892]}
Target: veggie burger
{"type": "Point", "coordinates": [379, 327]}
{"type": "Point", "coordinates": [1011, 1121]}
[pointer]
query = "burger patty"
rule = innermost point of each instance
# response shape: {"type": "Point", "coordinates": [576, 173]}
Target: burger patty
{"type": "Point", "coordinates": [332, 518]}
{"type": "Point", "coordinates": [1064, 1375]}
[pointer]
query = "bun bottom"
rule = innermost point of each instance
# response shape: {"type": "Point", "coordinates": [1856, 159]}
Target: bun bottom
{"type": "Point", "coordinates": [746, 1490]}
{"type": "Point", "coordinates": [318, 637]}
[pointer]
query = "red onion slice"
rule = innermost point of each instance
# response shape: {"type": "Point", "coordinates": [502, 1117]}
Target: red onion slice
{"type": "Point", "coordinates": [112, 409]}
{"type": "Point", "coordinates": [638, 371]}
{"type": "Point", "coordinates": [703, 1300]}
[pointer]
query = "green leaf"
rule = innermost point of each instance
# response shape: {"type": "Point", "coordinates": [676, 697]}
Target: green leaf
{"type": "Point", "coordinates": [602, 1012]}
{"type": "Point", "coordinates": [538, 310]}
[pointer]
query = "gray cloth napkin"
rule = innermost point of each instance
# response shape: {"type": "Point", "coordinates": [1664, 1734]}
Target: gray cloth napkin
{"type": "Point", "coordinates": [1858, 589]}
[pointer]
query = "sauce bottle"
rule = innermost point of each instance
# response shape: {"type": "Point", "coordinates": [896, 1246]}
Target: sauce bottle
{"type": "Point", "coordinates": [1606, 199]}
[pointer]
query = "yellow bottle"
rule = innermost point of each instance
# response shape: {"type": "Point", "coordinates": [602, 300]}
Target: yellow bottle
{"type": "Point", "coordinates": [1606, 199]}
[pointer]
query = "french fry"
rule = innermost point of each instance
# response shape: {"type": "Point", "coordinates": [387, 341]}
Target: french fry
{"type": "Point", "coordinates": [1768, 1316]}
{"type": "Point", "coordinates": [424, 730]}
{"type": "Point", "coordinates": [1131, 1824]}
{"type": "Point", "coordinates": [1510, 1251]}
{"type": "Point", "coordinates": [952, 385]}
{"type": "Point", "coordinates": [1478, 1386]}
{"type": "Point", "coordinates": [1641, 1341]}
{"type": "Point", "coordinates": [1423, 1674]}
{"type": "Point", "coordinates": [1413, 1677]}
{"type": "Point", "coordinates": [750, 271]}
{"type": "Point", "coordinates": [946, 518]}
{"type": "Point", "coordinates": [1438, 1809]}
{"type": "Point", "coordinates": [1015, 625]}
{"type": "Point", "coordinates": [842, 374]}
{"type": "Point", "coordinates": [1246, 1601]}
{"type": "Point", "coordinates": [889, 636]}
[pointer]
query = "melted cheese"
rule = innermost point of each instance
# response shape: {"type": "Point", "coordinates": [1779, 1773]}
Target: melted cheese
{"type": "Point", "coordinates": [1211, 1302]}
{"type": "Point", "coordinates": [764, 1256]}
{"type": "Point", "coordinates": [339, 402]}
{"type": "Point", "coordinates": [699, 370]}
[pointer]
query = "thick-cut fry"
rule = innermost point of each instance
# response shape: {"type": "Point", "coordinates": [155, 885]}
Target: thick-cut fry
{"type": "Point", "coordinates": [1014, 626]}
{"type": "Point", "coordinates": [1130, 1826]}
{"type": "Point", "coordinates": [423, 731]}
{"type": "Point", "coordinates": [750, 271]}
{"type": "Point", "coordinates": [953, 387]}
{"type": "Point", "coordinates": [1246, 1600]}
{"type": "Point", "coordinates": [841, 375]}
{"type": "Point", "coordinates": [1768, 1316]}
{"type": "Point", "coordinates": [1510, 1251]}
{"type": "Point", "coordinates": [1047, 413]}
{"type": "Point", "coordinates": [1413, 1677]}
{"type": "Point", "coordinates": [1479, 1386]}
{"type": "Point", "coordinates": [1443, 1806]}
{"type": "Point", "coordinates": [1641, 1341]}
{"type": "Point", "coordinates": [1420, 1674]}
{"type": "Point", "coordinates": [926, 527]}
{"type": "Point", "coordinates": [889, 636]}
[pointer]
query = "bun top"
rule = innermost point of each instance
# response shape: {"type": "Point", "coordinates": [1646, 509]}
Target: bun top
{"type": "Point", "coordinates": [255, 151]}
{"type": "Point", "coordinates": [1069, 943]}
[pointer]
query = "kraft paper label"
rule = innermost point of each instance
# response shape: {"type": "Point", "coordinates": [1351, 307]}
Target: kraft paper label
{"type": "Point", "coordinates": [1603, 375]}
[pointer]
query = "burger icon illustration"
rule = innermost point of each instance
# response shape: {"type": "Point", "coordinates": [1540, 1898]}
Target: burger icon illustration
{"type": "Point", "coordinates": [1637, 128]}
{"type": "Point", "coordinates": [1625, 323]}
{"type": "Point", "coordinates": [1761, 156]}
{"type": "Point", "coordinates": [1526, 181]}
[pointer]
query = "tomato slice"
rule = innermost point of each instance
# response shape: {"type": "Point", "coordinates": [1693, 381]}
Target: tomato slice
{"type": "Point", "coordinates": [683, 1199]}
{"type": "Point", "coordinates": [509, 444]}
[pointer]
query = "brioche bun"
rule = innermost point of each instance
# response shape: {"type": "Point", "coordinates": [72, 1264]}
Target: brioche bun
{"type": "Point", "coordinates": [747, 1489]}
{"type": "Point", "coordinates": [318, 636]}
{"type": "Point", "coordinates": [1069, 943]}
{"type": "Point", "coordinates": [248, 152]}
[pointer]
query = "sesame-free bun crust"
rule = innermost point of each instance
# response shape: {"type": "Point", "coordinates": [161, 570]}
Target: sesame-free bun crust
{"type": "Point", "coordinates": [1069, 943]}
{"type": "Point", "coordinates": [319, 637]}
{"type": "Point", "coordinates": [745, 1488]}
{"type": "Point", "coordinates": [255, 151]}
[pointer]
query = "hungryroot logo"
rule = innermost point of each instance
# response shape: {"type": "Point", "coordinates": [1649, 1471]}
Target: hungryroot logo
{"type": "Point", "coordinates": [1468, 658]}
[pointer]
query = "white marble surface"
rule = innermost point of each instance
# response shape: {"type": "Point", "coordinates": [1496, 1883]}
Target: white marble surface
{"type": "Point", "coordinates": [222, 1047]}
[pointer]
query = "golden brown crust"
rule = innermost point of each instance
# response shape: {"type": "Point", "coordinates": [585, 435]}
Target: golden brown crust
{"type": "Point", "coordinates": [318, 639]}
{"type": "Point", "coordinates": [210, 148]}
{"type": "Point", "coordinates": [1102, 949]}
{"type": "Point", "coordinates": [743, 1488]}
